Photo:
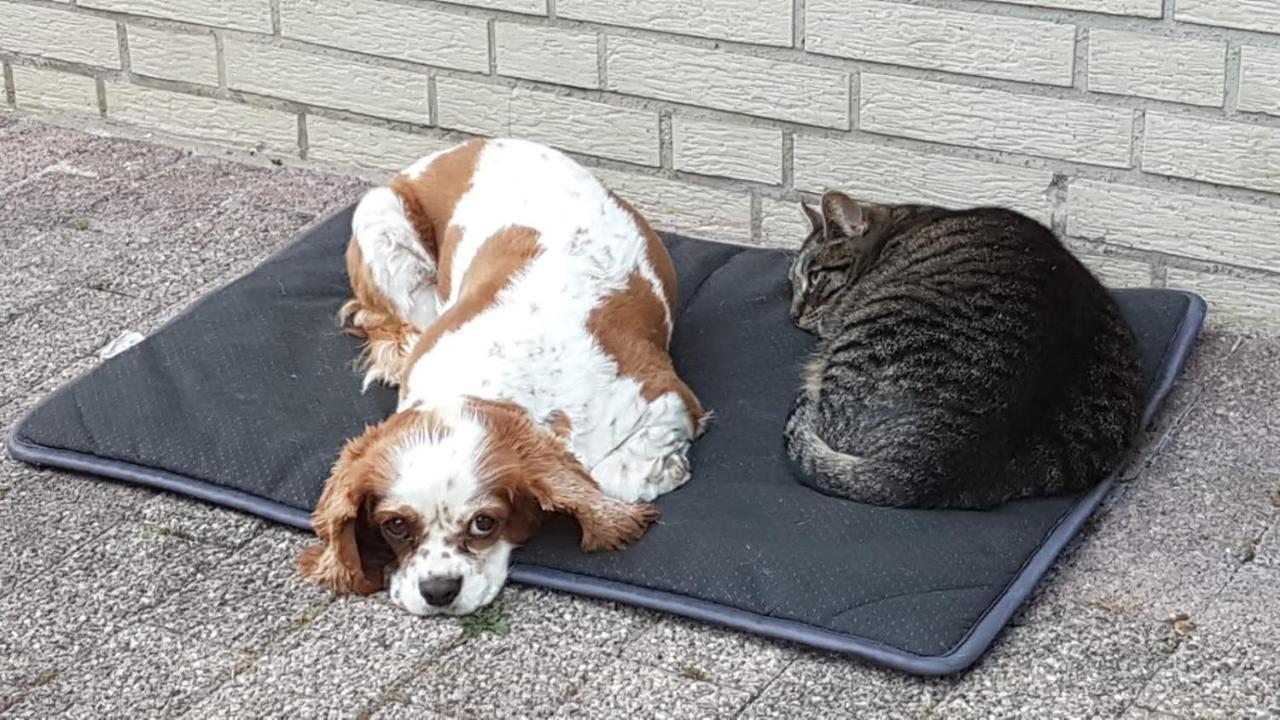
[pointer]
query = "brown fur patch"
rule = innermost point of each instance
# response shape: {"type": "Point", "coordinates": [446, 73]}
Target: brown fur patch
{"type": "Point", "coordinates": [630, 327]}
{"type": "Point", "coordinates": [430, 199]}
{"type": "Point", "coordinates": [352, 552]}
{"type": "Point", "coordinates": [538, 474]}
{"type": "Point", "coordinates": [502, 256]}
{"type": "Point", "coordinates": [659, 258]}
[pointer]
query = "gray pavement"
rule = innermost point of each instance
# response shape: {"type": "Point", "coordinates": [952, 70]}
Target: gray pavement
{"type": "Point", "coordinates": [119, 601]}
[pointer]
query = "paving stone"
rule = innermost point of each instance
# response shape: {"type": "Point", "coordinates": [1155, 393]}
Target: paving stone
{"type": "Point", "coordinates": [543, 616]}
{"type": "Point", "coordinates": [104, 585]}
{"type": "Point", "coordinates": [726, 657]}
{"type": "Point", "coordinates": [46, 516]}
{"type": "Point", "coordinates": [37, 344]}
{"type": "Point", "coordinates": [165, 265]}
{"type": "Point", "coordinates": [199, 521]}
{"type": "Point", "coordinates": [555, 640]}
{"type": "Point", "coordinates": [1215, 346]}
{"type": "Point", "coordinates": [1083, 662]}
{"type": "Point", "coordinates": [31, 147]}
{"type": "Point", "coordinates": [357, 645]}
{"type": "Point", "coordinates": [828, 685]}
{"type": "Point", "coordinates": [250, 600]}
{"type": "Point", "coordinates": [501, 677]}
{"type": "Point", "coordinates": [627, 689]}
{"type": "Point", "coordinates": [178, 198]}
{"type": "Point", "coordinates": [141, 672]}
{"type": "Point", "coordinates": [1229, 666]}
{"type": "Point", "coordinates": [235, 702]}
{"type": "Point", "coordinates": [304, 192]}
{"type": "Point", "coordinates": [49, 263]}
{"type": "Point", "coordinates": [1237, 419]}
{"type": "Point", "coordinates": [1167, 545]}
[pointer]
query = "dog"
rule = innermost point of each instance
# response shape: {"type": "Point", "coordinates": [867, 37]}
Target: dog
{"type": "Point", "coordinates": [524, 312]}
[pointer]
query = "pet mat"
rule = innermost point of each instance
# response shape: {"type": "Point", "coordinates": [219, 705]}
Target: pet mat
{"type": "Point", "coordinates": [245, 399]}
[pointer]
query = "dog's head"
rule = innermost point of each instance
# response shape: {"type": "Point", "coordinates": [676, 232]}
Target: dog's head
{"type": "Point", "coordinates": [432, 502]}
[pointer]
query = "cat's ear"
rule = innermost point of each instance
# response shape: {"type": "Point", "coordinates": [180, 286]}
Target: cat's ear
{"type": "Point", "coordinates": [842, 216]}
{"type": "Point", "coordinates": [815, 217]}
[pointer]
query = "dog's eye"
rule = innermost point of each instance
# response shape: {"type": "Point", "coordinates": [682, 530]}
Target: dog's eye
{"type": "Point", "coordinates": [482, 525]}
{"type": "Point", "coordinates": [396, 528]}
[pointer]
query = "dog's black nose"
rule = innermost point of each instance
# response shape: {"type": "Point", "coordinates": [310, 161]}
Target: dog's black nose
{"type": "Point", "coordinates": [440, 590]}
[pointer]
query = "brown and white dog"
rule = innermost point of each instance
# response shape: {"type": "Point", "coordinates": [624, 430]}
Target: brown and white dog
{"type": "Point", "coordinates": [525, 312]}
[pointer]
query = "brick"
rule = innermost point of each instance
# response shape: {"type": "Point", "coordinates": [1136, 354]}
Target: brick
{"type": "Point", "coordinates": [1251, 300]}
{"type": "Point", "coordinates": [1178, 224]}
{"type": "Point", "coordinates": [416, 34]}
{"type": "Point", "coordinates": [1116, 272]}
{"type": "Point", "coordinates": [251, 15]}
{"type": "Point", "coordinates": [174, 56]}
{"type": "Point", "coordinates": [327, 81]}
{"type": "Point", "coordinates": [548, 54]}
{"type": "Point", "coordinates": [573, 125]}
{"type": "Point", "coordinates": [961, 42]}
{"type": "Point", "coordinates": [44, 31]}
{"type": "Point", "coordinates": [1178, 70]}
{"type": "Point", "coordinates": [1259, 80]}
{"type": "Point", "coordinates": [995, 120]}
{"type": "Point", "coordinates": [766, 22]}
{"type": "Point", "coordinates": [685, 208]}
{"type": "Point", "coordinates": [53, 90]}
{"type": "Point", "coordinates": [1140, 8]}
{"type": "Point", "coordinates": [729, 81]}
{"type": "Point", "coordinates": [782, 223]}
{"type": "Point", "coordinates": [1259, 15]}
{"type": "Point", "coordinates": [1213, 151]}
{"type": "Point", "coordinates": [885, 174]}
{"type": "Point", "coordinates": [528, 7]}
{"type": "Point", "coordinates": [355, 145]}
{"type": "Point", "coordinates": [203, 119]}
{"type": "Point", "coordinates": [474, 107]}
{"type": "Point", "coordinates": [738, 151]}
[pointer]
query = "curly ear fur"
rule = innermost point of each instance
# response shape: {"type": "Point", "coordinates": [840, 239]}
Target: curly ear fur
{"type": "Point", "coordinates": [351, 554]}
{"type": "Point", "coordinates": [536, 462]}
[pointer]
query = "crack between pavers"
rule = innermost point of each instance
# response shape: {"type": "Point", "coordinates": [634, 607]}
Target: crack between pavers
{"type": "Point", "coordinates": [396, 687]}
{"type": "Point", "coordinates": [753, 697]}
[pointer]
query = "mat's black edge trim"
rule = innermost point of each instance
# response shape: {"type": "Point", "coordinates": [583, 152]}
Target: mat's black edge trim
{"type": "Point", "coordinates": [959, 658]}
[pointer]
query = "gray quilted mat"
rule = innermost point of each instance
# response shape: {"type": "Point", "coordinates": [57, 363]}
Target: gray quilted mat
{"type": "Point", "coordinates": [245, 399]}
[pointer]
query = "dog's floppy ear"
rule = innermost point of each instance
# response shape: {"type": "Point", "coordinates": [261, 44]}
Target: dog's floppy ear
{"type": "Point", "coordinates": [535, 462]}
{"type": "Point", "coordinates": [607, 524]}
{"type": "Point", "coordinates": [352, 553]}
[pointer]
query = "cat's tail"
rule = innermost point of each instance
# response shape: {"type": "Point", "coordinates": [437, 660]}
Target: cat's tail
{"type": "Point", "coordinates": [852, 477]}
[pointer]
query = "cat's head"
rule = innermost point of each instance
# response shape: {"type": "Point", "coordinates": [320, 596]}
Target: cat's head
{"type": "Point", "coordinates": [844, 238]}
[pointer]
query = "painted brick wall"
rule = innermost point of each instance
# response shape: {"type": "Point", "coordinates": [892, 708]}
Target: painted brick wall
{"type": "Point", "coordinates": [1147, 132]}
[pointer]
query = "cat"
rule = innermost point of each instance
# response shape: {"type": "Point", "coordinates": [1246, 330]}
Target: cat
{"type": "Point", "coordinates": [964, 358]}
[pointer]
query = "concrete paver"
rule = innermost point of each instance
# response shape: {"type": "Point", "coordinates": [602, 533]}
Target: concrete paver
{"type": "Point", "coordinates": [1229, 666]}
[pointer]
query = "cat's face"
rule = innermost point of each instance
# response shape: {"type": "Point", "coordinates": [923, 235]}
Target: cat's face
{"type": "Point", "coordinates": [827, 256]}
{"type": "Point", "coordinates": [845, 238]}
{"type": "Point", "coordinates": [814, 281]}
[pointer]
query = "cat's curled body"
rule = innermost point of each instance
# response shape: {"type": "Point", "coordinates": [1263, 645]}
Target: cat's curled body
{"type": "Point", "coordinates": [964, 359]}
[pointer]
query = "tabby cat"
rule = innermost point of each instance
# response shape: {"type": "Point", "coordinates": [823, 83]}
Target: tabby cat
{"type": "Point", "coordinates": [964, 358]}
